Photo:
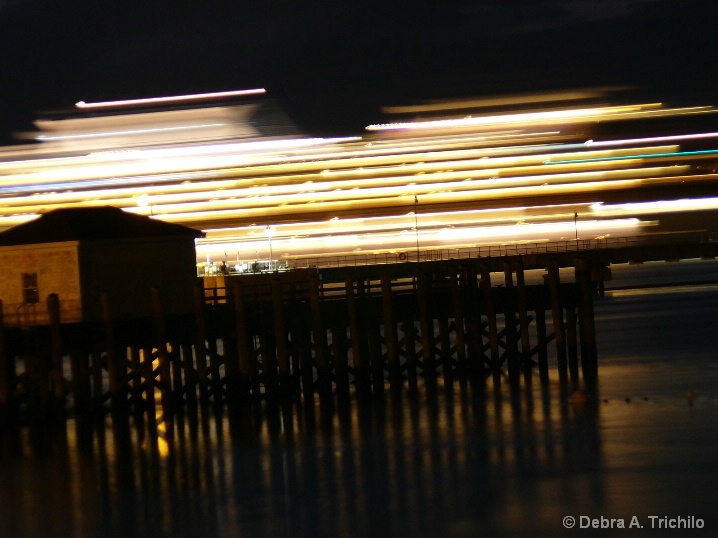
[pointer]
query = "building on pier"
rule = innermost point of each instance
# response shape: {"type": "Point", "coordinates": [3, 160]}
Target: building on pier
{"type": "Point", "coordinates": [77, 253]}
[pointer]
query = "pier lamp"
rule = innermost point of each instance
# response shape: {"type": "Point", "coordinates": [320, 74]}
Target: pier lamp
{"type": "Point", "coordinates": [416, 224]}
{"type": "Point", "coordinates": [269, 231]}
{"type": "Point", "coordinates": [143, 200]}
{"type": "Point", "coordinates": [575, 226]}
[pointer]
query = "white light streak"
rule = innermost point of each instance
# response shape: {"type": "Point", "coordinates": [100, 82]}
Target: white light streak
{"type": "Point", "coordinates": [171, 99]}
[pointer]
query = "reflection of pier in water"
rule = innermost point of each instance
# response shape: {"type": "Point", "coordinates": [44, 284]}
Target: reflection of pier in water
{"type": "Point", "coordinates": [431, 465]}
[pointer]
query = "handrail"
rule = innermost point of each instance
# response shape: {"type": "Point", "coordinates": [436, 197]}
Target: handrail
{"type": "Point", "coordinates": [514, 249]}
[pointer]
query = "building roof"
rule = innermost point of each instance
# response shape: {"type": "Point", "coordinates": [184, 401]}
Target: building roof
{"type": "Point", "coordinates": [90, 224]}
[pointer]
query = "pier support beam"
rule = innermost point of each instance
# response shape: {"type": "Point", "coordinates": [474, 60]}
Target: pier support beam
{"type": "Point", "coordinates": [542, 344]}
{"type": "Point", "coordinates": [523, 321]}
{"type": "Point", "coordinates": [426, 328]}
{"type": "Point", "coordinates": [554, 282]}
{"type": "Point", "coordinates": [512, 350]}
{"type": "Point", "coordinates": [589, 355]}
{"type": "Point", "coordinates": [319, 333]}
{"type": "Point", "coordinates": [7, 373]}
{"type": "Point", "coordinates": [280, 337]}
{"type": "Point", "coordinates": [458, 321]}
{"type": "Point", "coordinates": [200, 349]}
{"type": "Point", "coordinates": [357, 336]}
{"type": "Point", "coordinates": [390, 340]}
{"type": "Point", "coordinates": [116, 382]}
{"type": "Point", "coordinates": [491, 319]}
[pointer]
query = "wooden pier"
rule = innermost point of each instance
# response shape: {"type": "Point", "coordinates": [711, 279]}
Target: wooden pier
{"type": "Point", "coordinates": [305, 332]}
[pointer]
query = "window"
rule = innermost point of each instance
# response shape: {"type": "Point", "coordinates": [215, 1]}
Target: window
{"type": "Point", "coordinates": [30, 294]}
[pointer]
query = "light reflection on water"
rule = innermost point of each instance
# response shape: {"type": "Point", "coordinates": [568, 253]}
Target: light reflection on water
{"type": "Point", "coordinates": [465, 461]}
{"type": "Point", "coordinates": [423, 466]}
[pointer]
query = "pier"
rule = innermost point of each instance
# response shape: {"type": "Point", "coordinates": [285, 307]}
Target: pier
{"type": "Point", "coordinates": [268, 336]}
{"type": "Point", "coordinates": [321, 331]}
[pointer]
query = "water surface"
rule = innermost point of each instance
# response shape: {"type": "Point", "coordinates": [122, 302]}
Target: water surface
{"type": "Point", "coordinates": [466, 461]}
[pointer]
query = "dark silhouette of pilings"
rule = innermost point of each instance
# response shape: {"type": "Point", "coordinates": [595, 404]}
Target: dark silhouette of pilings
{"type": "Point", "coordinates": [289, 335]}
{"type": "Point", "coordinates": [557, 316]}
{"type": "Point", "coordinates": [7, 373]}
{"type": "Point", "coordinates": [587, 328]}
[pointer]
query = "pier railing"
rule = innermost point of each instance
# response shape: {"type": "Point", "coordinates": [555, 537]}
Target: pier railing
{"type": "Point", "coordinates": [486, 251]}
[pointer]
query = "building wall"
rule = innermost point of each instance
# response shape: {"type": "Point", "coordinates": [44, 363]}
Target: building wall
{"type": "Point", "coordinates": [128, 269]}
{"type": "Point", "coordinates": [57, 268]}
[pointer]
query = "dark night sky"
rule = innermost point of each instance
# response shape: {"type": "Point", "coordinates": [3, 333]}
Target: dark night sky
{"type": "Point", "coordinates": [333, 64]}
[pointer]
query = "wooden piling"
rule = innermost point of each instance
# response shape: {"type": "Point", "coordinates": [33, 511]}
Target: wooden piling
{"type": "Point", "coordinates": [56, 376]}
{"type": "Point", "coordinates": [7, 372]}
{"type": "Point", "coordinates": [523, 321]}
{"type": "Point", "coordinates": [458, 322]}
{"type": "Point", "coordinates": [295, 317]}
{"type": "Point", "coordinates": [512, 350]}
{"type": "Point", "coordinates": [82, 391]}
{"type": "Point", "coordinates": [390, 342]}
{"type": "Point", "coordinates": [113, 374]}
{"type": "Point", "coordinates": [589, 355]}
{"type": "Point", "coordinates": [31, 386]}
{"type": "Point", "coordinates": [175, 364]}
{"type": "Point", "coordinates": [149, 390]}
{"type": "Point", "coordinates": [409, 330]}
{"type": "Point", "coordinates": [557, 316]}
{"type": "Point", "coordinates": [447, 367]}
{"type": "Point", "coordinates": [229, 353]}
{"type": "Point", "coordinates": [98, 396]}
{"type": "Point", "coordinates": [340, 347]}
{"type": "Point", "coordinates": [319, 334]}
{"type": "Point", "coordinates": [376, 355]}
{"type": "Point", "coordinates": [189, 387]}
{"type": "Point", "coordinates": [472, 322]}
{"type": "Point", "coordinates": [136, 374]}
{"type": "Point", "coordinates": [280, 336]}
{"type": "Point", "coordinates": [356, 336]}
{"type": "Point", "coordinates": [572, 341]}
{"type": "Point", "coordinates": [268, 350]}
{"type": "Point", "coordinates": [215, 362]}
{"type": "Point", "coordinates": [542, 344]}
{"type": "Point", "coordinates": [426, 329]}
{"type": "Point", "coordinates": [244, 382]}
{"type": "Point", "coordinates": [303, 328]}
{"type": "Point", "coordinates": [491, 319]}
{"type": "Point", "coordinates": [162, 355]}
{"type": "Point", "coordinates": [200, 346]}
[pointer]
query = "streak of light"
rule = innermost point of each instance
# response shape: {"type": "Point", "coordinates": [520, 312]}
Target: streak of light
{"type": "Point", "coordinates": [193, 213]}
{"type": "Point", "coordinates": [376, 242]}
{"type": "Point", "coordinates": [494, 178]}
{"type": "Point", "coordinates": [171, 99]}
{"type": "Point", "coordinates": [511, 100]}
{"type": "Point", "coordinates": [701, 153]}
{"type": "Point", "coordinates": [543, 117]}
{"type": "Point", "coordinates": [522, 118]}
{"type": "Point", "coordinates": [474, 217]}
{"type": "Point", "coordinates": [650, 140]}
{"type": "Point", "coordinates": [656, 206]}
{"type": "Point", "coordinates": [131, 132]}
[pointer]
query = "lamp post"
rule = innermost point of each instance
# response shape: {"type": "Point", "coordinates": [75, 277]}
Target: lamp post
{"type": "Point", "coordinates": [269, 231]}
{"type": "Point", "coordinates": [143, 200]}
{"type": "Point", "coordinates": [575, 226]}
{"type": "Point", "coordinates": [416, 225]}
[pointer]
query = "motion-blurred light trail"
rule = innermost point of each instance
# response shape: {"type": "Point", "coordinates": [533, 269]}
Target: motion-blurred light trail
{"type": "Point", "coordinates": [433, 182]}
{"type": "Point", "coordinates": [171, 99]}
